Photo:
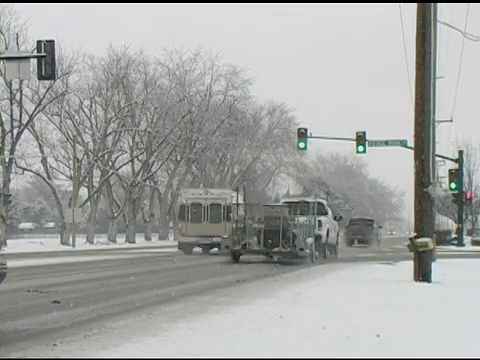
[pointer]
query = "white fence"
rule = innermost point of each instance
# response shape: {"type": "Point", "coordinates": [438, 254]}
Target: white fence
{"type": "Point", "coordinates": [99, 238]}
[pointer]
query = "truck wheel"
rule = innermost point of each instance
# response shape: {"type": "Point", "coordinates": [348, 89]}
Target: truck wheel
{"type": "Point", "coordinates": [235, 257]}
{"type": "Point", "coordinates": [188, 250]}
{"type": "Point", "coordinates": [334, 249]}
{"type": "Point", "coordinates": [324, 247]}
{"type": "Point", "coordinates": [206, 250]}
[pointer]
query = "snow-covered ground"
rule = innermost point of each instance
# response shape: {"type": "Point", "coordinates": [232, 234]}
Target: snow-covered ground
{"type": "Point", "coordinates": [337, 310]}
{"type": "Point", "coordinates": [468, 247]}
{"type": "Point", "coordinates": [52, 243]}
{"type": "Point", "coordinates": [458, 249]}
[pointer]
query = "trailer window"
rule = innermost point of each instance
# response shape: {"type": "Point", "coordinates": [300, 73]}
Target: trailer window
{"type": "Point", "coordinates": [196, 216]}
{"type": "Point", "coordinates": [321, 209]}
{"type": "Point", "coordinates": [360, 222]}
{"type": "Point", "coordinates": [216, 213]}
{"type": "Point", "coordinates": [228, 213]}
{"type": "Point", "coordinates": [182, 213]}
{"type": "Point", "coordinates": [307, 208]}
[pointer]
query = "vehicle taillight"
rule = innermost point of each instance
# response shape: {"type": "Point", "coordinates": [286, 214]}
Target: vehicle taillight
{"type": "Point", "coordinates": [319, 224]}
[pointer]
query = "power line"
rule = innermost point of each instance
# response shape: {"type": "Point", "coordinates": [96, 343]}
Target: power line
{"type": "Point", "coordinates": [406, 54]}
{"type": "Point", "coordinates": [466, 35]}
{"type": "Point", "coordinates": [461, 60]}
{"type": "Point", "coordinates": [447, 47]}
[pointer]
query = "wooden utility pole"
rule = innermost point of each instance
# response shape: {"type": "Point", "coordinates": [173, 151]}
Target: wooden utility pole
{"type": "Point", "coordinates": [434, 173]}
{"type": "Point", "coordinates": [434, 89]}
{"type": "Point", "coordinates": [423, 148]}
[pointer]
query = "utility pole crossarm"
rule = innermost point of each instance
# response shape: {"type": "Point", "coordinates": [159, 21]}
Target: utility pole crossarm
{"type": "Point", "coordinates": [21, 56]}
{"type": "Point", "coordinates": [436, 155]}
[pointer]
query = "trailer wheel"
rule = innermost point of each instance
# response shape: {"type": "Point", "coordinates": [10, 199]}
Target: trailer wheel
{"type": "Point", "coordinates": [313, 253]}
{"type": "Point", "coordinates": [235, 257]}
{"type": "Point", "coordinates": [206, 250]}
{"type": "Point", "coordinates": [324, 250]}
{"type": "Point", "coordinates": [188, 250]}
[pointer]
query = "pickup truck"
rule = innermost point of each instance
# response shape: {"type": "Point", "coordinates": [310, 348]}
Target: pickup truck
{"type": "Point", "coordinates": [363, 230]}
{"type": "Point", "coordinates": [316, 211]}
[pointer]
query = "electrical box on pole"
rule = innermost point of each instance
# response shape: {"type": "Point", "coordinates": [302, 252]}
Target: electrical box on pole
{"type": "Point", "coordinates": [46, 66]}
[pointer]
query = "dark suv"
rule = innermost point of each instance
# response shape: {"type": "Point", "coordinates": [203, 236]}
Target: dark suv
{"type": "Point", "coordinates": [363, 230]}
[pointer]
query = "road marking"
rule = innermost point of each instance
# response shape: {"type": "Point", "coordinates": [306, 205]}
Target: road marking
{"type": "Point", "coordinates": [16, 263]}
{"type": "Point", "coordinates": [367, 255]}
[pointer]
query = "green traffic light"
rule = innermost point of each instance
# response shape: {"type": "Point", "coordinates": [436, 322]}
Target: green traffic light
{"type": "Point", "coordinates": [453, 186]}
{"type": "Point", "coordinates": [360, 148]}
{"type": "Point", "coordinates": [302, 145]}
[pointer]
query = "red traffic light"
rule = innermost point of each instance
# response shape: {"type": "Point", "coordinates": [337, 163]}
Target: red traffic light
{"type": "Point", "coordinates": [468, 195]}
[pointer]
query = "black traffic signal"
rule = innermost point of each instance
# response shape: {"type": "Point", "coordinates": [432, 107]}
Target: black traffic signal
{"type": "Point", "coordinates": [456, 197]}
{"type": "Point", "coordinates": [302, 138]}
{"type": "Point", "coordinates": [453, 180]}
{"type": "Point", "coordinates": [361, 142]}
{"type": "Point", "coordinates": [46, 66]}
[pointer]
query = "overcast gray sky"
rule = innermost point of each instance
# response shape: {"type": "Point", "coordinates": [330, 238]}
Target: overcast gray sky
{"type": "Point", "coordinates": [342, 67]}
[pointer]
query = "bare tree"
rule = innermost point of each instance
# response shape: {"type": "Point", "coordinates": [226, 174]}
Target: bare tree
{"type": "Point", "coordinates": [253, 150]}
{"type": "Point", "coordinates": [444, 199]}
{"type": "Point", "coordinates": [346, 184]}
{"type": "Point", "coordinates": [23, 103]}
{"type": "Point", "coordinates": [471, 179]}
{"type": "Point", "coordinates": [204, 95]}
{"type": "Point", "coordinates": [444, 204]}
{"type": "Point", "coordinates": [94, 115]}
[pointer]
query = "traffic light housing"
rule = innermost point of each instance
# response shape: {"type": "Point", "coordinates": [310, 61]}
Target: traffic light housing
{"type": "Point", "coordinates": [361, 142]}
{"type": "Point", "coordinates": [302, 138]}
{"type": "Point", "coordinates": [456, 197]}
{"type": "Point", "coordinates": [46, 66]}
{"type": "Point", "coordinates": [453, 180]}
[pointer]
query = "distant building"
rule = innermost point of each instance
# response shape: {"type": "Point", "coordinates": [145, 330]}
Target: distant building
{"type": "Point", "coordinates": [49, 228]}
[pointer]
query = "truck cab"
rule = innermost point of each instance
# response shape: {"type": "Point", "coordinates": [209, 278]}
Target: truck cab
{"type": "Point", "coordinates": [315, 211]}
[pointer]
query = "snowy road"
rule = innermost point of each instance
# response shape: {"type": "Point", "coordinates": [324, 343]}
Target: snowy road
{"type": "Point", "coordinates": [42, 305]}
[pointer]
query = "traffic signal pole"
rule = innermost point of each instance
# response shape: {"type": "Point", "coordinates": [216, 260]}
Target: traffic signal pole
{"type": "Point", "coordinates": [440, 156]}
{"type": "Point", "coordinates": [461, 200]}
